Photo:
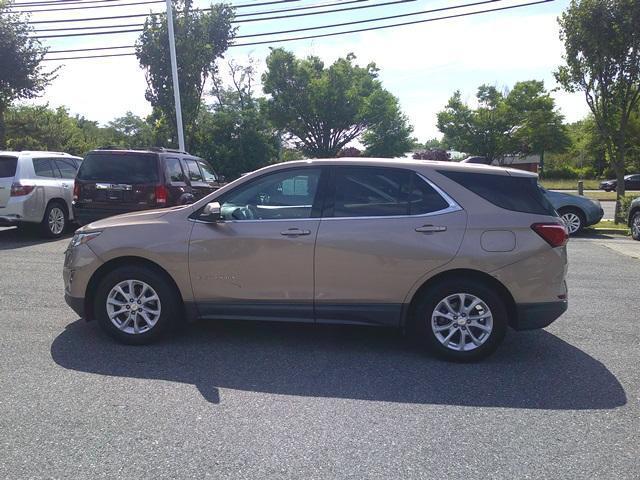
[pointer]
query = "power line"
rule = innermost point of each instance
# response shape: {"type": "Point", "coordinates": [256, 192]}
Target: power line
{"type": "Point", "coordinates": [414, 22]}
{"type": "Point", "coordinates": [63, 2]}
{"type": "Point", "coordinates": [59, 29]}
{"type": "Point", "coordinates": [318, 27]}
{"type": "Point", "coordinates": [88, 6]}
{"type": "Point", "coordinates": [90, 49]}
{"type": "Point", "coordinates": [152, 14]}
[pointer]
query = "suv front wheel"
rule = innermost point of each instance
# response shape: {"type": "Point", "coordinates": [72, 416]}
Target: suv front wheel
{"type": "Point", "coordinates": [460, 320]}
{"type": "Point", "coordinates": [135, 305]}
{"type": "Point", "coordinates": [55, 220]}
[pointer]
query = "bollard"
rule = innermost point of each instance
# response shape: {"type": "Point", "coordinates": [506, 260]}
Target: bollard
{"type": "Point", "coordinates": [580, 187]}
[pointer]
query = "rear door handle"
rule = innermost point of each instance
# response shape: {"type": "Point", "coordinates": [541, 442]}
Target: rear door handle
{"type": "Point", "coordinates": [66, 185]}
{"type": "Point", "coordinates": [294, 232]}
{"type": "Point", "coordinates": [431, 228]}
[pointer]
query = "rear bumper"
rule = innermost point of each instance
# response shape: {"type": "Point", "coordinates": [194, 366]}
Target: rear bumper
{"type": "Point", "coordinates": [531, 316]}
{"type": "Point", "coordinates": [84, 216]}
{"type": "Point", "coordinates": [76, 304]}
{"type": "Point", "coordinates": [8, 220]}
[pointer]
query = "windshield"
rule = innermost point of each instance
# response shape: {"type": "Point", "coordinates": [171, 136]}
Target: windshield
{"type": "Point", "coordinates": [116, 167]}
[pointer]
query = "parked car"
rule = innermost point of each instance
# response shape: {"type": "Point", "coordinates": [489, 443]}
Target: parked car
{"type": "Point", "coordinates": [454, 253]}
{"type": "Point", "coordinates": [36, 189]}
{"type": "Point", "coordinates": [634, 218]}
{"type": "Point", "coordinates": [576, 211]}
{"type": "Point", "coordinates": [631, 182]}
{"type": "Point", "coordinates": [112, 182]}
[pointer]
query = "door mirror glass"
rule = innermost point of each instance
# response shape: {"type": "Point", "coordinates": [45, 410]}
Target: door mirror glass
{"type": "Point", "coordinates": [211, 212]}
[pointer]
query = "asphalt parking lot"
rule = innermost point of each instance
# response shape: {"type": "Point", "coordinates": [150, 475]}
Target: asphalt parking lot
{"type": "Point", "coordinates": [263, 401]}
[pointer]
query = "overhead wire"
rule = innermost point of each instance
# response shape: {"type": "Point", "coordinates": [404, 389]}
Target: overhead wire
{"type": "Point", "coordinates": [380, 27]}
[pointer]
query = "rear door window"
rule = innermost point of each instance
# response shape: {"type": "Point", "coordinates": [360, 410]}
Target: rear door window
{"type": "Point", "coordinates": [174, 171]}
{"type": "Point", "coordinates": [193, 171]}
{"type": "Point", "coordinates": [66, 167]}
{"type": "Point", "coordinates": [119, 167]}
{"type": "Point", "coordinates": [519, 194]}
{"type": "Point", "coordinates": [207, 171]}
{"type": "Point", "coordinates": [8, 166]}
{"type": "Point", "coordinates": [43, 167]}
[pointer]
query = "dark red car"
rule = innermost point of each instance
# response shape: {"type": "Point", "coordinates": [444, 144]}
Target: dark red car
{"type": "Point", "coordinates": [111, 182]}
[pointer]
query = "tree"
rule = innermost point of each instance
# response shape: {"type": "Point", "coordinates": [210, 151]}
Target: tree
{"type": "Point", "coordinates": [323, 109]}
{"type": "Point", "coordinates": [132, 131]}
{"type": "Point", "coordinates": [21, 75]}
{"type": "Point", "coordinates": [432, 154]}
{"type": "Point", "coordinates": [201, 37]}
{"type": "Point", "coordinates": [602, 55]}
{"type": "Point", "coordinates": [234, 133]}
{"type": "Point", "coordinates": [522, 120]}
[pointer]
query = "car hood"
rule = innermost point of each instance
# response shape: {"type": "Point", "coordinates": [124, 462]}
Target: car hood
{"type": "Point", "coordinates": [560, 199]}
{"type": "Point", "coordinates": [132, 218]}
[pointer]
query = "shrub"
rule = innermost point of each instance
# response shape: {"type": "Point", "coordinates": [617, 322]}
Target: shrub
{"type": "Point", "coordinates": [625, 205]}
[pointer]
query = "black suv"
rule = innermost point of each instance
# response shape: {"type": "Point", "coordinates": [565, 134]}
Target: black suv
{"type": "Point", "coordinates": [111, 181]}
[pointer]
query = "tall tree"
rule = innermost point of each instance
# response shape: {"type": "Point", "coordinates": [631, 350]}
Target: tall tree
{"type": "Point", "coordinates": [390, 132]}
{"type": "Point", "coordinates": [602, 55]}
{"type": "Point", "coordinates": [322, 109]}
{"type": "Point", "coordinates": [21, 73]}
{"type": "Point", "coordinates": [201, 37]}
{"type": "Point", "coordinates": [521, 120]}
{"type": "Point", "coordinates": [132, 131]}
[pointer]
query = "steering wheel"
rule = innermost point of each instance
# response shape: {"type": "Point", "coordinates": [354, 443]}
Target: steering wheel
{"type": "Point", "coordinates": [248, 212]}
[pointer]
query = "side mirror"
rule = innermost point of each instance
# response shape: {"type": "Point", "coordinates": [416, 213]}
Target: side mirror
{"type": "Point", "coordinates": [211, 212]}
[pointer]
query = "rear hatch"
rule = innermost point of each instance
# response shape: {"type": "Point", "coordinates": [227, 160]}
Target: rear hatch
{"type": "Point", "coordinates": [117, 181]}
{"type": "Point", "coordinates": [8, 167]}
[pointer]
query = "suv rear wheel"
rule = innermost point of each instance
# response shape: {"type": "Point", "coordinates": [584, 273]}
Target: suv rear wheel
{"type": "Point", "coordinates": [461, 320]}
{"type": "Point", "coordinates": [135, 305]}
{"type": "Point", "coordinates": [55, 220]}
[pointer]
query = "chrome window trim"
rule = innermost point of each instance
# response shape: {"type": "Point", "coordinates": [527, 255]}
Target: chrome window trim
{"type": "Point", "coordinates": [453, 206]}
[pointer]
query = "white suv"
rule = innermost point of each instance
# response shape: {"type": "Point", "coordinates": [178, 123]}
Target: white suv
{"type": "Point", "coordinates": [37, 188]}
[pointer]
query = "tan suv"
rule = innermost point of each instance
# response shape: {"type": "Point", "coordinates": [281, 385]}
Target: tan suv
{"type": "Point", "coordinates": [453, 253]}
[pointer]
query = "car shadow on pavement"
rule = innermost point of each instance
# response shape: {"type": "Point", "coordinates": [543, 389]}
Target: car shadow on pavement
{"type": "Point", "coordinates": [534, 370]}
{"type": "Point", "coordinates": [12, 238]}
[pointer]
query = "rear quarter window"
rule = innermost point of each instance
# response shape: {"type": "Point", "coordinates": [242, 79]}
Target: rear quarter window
{"type": "Point", "coordinates": [8, 166]}
{"type": "Point", "coordinates": [125, 167]}
{"type": "Point", "coordinates": [519, 194]}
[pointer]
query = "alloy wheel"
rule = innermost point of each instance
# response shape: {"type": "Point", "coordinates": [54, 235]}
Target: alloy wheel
{"type": "Point", "coordinates": [56, 221]}
{"type": "Point", "coordinates": [635, 226]}
{"type": "Point", "coordinates": [133, 307]}
{"type": "Point", "coordinates": [462, 322]}
{"type": "Point", "coordinates": [572, 221]}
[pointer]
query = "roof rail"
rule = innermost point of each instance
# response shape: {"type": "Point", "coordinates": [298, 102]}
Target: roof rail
{"type": "Point", "coordinates": [110, 147]}
{"type": "Point", "coordinates": [164, 149]}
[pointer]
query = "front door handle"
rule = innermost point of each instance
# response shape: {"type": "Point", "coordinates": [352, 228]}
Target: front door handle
{"type": "Point", "coordinates": [431, 228]}
{"type": "Point", "coordinates": [295, 232]}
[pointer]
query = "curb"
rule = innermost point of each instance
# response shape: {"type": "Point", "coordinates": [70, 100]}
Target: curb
{"type": "Point", "coordinates": [619, 231]}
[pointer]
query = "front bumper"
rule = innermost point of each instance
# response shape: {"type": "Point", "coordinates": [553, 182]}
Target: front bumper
{"type": "Point", "coordinates": [531, 316]}
{"type": "Point", "coordinates": [76, 304]}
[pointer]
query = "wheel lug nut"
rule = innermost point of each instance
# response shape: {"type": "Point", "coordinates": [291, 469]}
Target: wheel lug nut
{"type": "Point", "coordinates": [139, 302]}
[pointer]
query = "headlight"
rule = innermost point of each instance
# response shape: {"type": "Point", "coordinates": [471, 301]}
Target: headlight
{"type": "Point", "coordinates": [82, 238]}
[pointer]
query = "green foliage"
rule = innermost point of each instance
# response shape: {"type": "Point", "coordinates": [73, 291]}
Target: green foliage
{"type": "Point", "coordinates": [625, 205]}
{"type": "Point", "coordinates": [323, 109]}
{"type": "Point", "coordinates": [602, 55]}
{"type": "Point", "coordinates": [523, 120]}
{"type": "Point", "coordinates": [21, 75]}
{"type": "Point", "coordinates": [433, 143]}
{"type": "Point", "coordinates": [132, 131]}
{"type": "Point", "coordinates": [202, 37]}
{"type": "Point", "coordinates": [235, 134]}
{"type": "Point", "coordinates": [43, 128]}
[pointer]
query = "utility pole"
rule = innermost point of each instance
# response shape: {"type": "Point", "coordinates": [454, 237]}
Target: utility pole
{"type": "Point", "coordinates": [174, 74]}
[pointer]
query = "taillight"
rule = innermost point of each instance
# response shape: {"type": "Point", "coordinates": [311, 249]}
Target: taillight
{"type": "Point", "coordinates": [554, 234]}
{"type": "Point", "coordinates": [76, 191]}
{"type": "Point", "coordinates": [162, 195]}
{"type": "Point", "coordinates": [18, 190]}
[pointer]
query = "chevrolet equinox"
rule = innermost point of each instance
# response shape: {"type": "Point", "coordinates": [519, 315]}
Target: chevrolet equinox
{"type": "Point", "coordinates": [453, 253]}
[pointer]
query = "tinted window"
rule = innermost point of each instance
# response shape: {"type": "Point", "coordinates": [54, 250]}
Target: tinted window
{"type": "Point", "coordinates": [193, 170]}
{"type": "Point", "coordinates": [279, 195]}
{"type": "Point", "coordinates": [43, 168]}
{"type": "Point", "coordinates": [66, 167]}
{"type": "Point", "coordinates": [371, 192]}
{"type": "Point", "coordinates": [8, 166]}
{"type": "Point", "coordinates": [423, 198]}
{"type": "Point", "coordinates": [520, 194]}
{"type": "Point", "coordinates": [174, 170]}
{"type": "Point", "coordinates": [118, 167]}
{"type": "Point", "coordinates": [209, 175]}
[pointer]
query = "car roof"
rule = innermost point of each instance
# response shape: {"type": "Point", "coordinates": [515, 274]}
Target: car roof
{"type": "Point", "coordinates": [37, 154]}
{"type": "Point", "coordinates": [431, 164]}
{"type": "Point", "coordinates": [154, 151]}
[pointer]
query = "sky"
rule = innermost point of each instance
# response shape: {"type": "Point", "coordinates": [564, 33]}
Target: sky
{"type": "Point", "coordinates": [422, 64]}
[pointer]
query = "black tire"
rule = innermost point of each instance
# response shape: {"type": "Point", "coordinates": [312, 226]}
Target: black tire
{"type": "Point", "coordinates": [429, 300]}
{"type": "Point", "coordinates": [635, 220]}
{"type": "Point", "coordinates": [168, 301]}
{"type": "Point", "coordinates": [576, 212]}
{"type": "Point", "coordinates": [50, 230]}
